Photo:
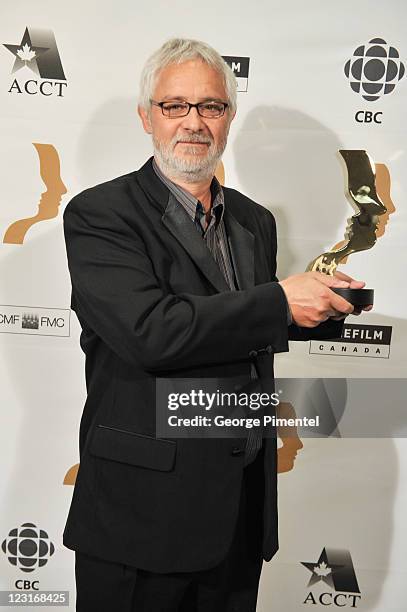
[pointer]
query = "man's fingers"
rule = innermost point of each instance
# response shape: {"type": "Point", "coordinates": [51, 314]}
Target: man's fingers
{"type": "Point", "coordinates": [342, 276]}
{"type": "Point", "coordinates": [331, 281]}
{"type": "Point", "coordinates": [340, 304]}
{"type": "Point", "coordinates": [357, 310]}
{"type": "Point", "coordinates": [353, 284]}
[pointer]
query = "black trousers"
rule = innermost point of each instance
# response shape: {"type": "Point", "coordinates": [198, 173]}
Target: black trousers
{"type": "Point", "coordinates": [231, 586]}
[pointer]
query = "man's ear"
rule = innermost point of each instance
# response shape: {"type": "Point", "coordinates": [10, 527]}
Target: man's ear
{"type": "Point", "coordinates": [145, 119]}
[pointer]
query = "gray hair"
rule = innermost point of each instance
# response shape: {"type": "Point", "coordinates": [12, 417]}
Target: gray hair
{"type": "Point", "coordinates": [177, 51]}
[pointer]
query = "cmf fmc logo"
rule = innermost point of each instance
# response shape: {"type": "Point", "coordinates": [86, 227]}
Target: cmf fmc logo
{"type": "Point", "coordinates": [37, 53]}
{"type": "Point", "coordinates": [374, 70]}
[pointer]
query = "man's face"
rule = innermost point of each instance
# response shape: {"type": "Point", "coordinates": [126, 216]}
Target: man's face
{"type": "Point", "coordinates": [190, 147]}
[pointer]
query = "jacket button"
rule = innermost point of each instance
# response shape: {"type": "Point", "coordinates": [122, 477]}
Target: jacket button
{"type": "Point", "coordinates": [269, 349]}
{"type": "Point", "coordinates": [236, 451]}
{"type": "Point", "coordinates": [253, 354]}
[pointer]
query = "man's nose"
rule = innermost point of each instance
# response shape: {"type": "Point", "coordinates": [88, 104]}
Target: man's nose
{"type": "Point", "coordinates": [193, 121]}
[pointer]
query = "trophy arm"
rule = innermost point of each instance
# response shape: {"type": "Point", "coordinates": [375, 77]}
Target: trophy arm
{"type": "Point", "coordinates": [325, 263]}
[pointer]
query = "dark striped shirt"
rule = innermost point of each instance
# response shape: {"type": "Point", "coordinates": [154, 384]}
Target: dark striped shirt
{"type": "Point", "coordinates": [214, 234]}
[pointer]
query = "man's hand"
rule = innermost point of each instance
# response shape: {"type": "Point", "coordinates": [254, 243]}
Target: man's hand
{"type": "Point", "coordinates": [311, 300]}
{"type": "Point", "coordinates": [353, 284]}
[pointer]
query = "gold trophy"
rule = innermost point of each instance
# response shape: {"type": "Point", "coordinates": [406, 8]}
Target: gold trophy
{"type": "Point", "coordinates": [360, 233]}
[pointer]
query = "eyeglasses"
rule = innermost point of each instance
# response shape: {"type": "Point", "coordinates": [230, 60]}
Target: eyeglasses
{"type": "Point", "coordinates": [173, 110]}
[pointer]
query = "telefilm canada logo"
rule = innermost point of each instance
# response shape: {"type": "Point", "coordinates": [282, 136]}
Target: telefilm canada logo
{"type": "Point", "coordinates": [240, 67]}
{"type": "Point", "coordinates": [37, 65]}
{"type": "Point", "coordinates": [356, 341]}
{"type": "Point", "coordinates": [373, 71]}
{"type": "Point", "coordinates": [334, 569]}
{"type": "Point", "coordinates": [35, 320]}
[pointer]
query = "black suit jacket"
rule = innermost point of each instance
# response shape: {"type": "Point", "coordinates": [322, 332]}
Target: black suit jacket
{"type": "Point", "coordinates": [152, 302]}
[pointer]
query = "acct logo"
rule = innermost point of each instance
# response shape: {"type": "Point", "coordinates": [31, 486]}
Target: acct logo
{"type": "Point", "coordinates": [28, 547]}
{"type": "Point", "coordinates": [334, 568]}
{"type": "Point", "coordinates": [374, 69]}
{"type": "Point", "coordinates": [37, 52]}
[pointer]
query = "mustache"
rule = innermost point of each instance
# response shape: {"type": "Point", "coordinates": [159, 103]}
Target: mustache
{"type": "Point", "coordinates": [193, 138]}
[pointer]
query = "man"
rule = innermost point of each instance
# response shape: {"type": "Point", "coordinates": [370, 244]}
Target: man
{"type": "Point", "coordinates": [173, 276]}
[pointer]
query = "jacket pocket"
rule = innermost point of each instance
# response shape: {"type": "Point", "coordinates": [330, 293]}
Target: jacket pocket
{"type": "Point", "coordinates": [133, 448]}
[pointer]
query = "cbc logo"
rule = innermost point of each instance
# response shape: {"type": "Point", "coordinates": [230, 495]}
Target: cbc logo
{"type": "Point", "coordinates": [374, 69]}
{"type": "Point", "coordinates": [27, 547]}
{"type": "Point", "coordinates": [27, 585]}
{"type": "Point", "coordinates": [368, 117]}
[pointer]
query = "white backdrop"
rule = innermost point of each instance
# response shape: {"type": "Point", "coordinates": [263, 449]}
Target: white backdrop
{"type": "Point", "coordinates": [297, 112]}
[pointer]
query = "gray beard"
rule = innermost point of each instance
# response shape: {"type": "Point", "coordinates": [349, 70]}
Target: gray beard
{"type": "Point", "coordinates": [188, 170]}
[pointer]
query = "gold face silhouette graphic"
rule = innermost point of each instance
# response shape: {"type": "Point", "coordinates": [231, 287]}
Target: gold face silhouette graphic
{"type": "Point", "coordinates": [70, 476]}
{"type": "Point", "coordinates": [361, 231]}
{"type": "Point", "coordinates": [220, 173]}
{"type": "Point", "coordinates": [50, 199]}
{"type": "Point", "coordinates": [383, 186]}
{"type": "Point", "coordinates": [288, 435]}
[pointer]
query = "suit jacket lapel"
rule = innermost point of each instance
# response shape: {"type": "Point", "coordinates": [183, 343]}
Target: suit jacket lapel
{"type": "Point", "coordinates": [178, 222]}
{"type": "Point", "coordinates": [241, 245]}
{"type": "Point", "coordinates": [175, 218]}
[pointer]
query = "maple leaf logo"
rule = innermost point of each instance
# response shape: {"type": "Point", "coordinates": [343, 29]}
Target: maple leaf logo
{"type": "Point", "coordinates": [322, 569]}
{"type": "Point", "coordinates": [26, 54]}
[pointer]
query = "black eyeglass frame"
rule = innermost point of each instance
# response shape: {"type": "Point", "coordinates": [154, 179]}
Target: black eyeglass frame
{"type": "Point", "coordinates": [197, 105]}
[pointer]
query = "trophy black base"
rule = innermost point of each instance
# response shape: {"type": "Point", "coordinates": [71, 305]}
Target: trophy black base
{"type": "Point", "coordinates": [357, 297]}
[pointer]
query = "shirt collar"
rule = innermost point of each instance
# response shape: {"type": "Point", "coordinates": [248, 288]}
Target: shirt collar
{"type": "Point", "coordinates": [191, 204]}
